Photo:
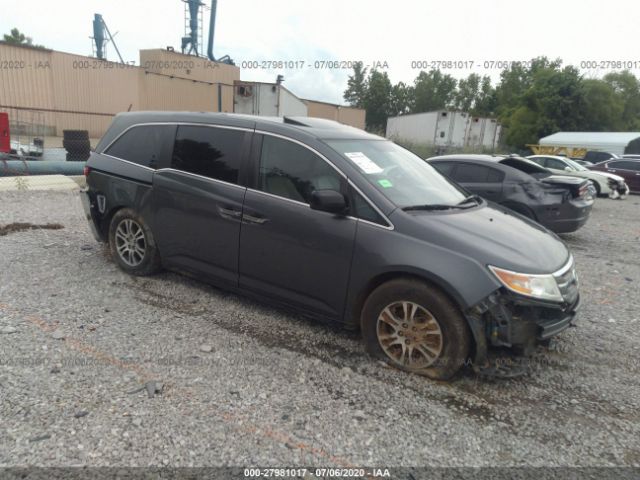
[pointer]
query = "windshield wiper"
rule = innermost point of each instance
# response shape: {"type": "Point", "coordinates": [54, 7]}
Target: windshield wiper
{"type": "Point", "coordinates": [471, 198]}
{"type": "Point", "coordinates": [432, 206]}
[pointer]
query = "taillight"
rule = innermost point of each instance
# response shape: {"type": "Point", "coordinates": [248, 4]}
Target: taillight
{"type": "Point", "coordinates": [583, 190]}
{"type": "Point", "coordinates": [85, 171]}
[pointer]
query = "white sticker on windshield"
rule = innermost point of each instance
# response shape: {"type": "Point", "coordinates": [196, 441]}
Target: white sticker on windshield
{"type": "Point", "coordinates": [365, 163]}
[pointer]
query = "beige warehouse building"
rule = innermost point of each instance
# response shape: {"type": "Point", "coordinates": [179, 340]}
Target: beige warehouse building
{"type": "Point", "coordinates": [63, 91]}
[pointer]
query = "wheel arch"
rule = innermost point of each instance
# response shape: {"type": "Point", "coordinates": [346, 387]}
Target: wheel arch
{"type": "Point", "coordinates": [355, 309]}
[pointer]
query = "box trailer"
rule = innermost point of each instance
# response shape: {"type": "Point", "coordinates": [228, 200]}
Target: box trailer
{"type": "Point", "coordinates": [445, 128]}
{"type": "Point", "coordinates": [267, 100]}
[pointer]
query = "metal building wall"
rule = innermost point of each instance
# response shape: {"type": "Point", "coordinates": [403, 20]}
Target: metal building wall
{"type": "Point", "coordinates": [352, 116]}
{"type": "Point", "coordinates": [70, 91]}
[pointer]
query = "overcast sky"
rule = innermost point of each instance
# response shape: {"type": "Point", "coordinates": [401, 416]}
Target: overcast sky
{"type": "Point", "coordinates": [304, 30]}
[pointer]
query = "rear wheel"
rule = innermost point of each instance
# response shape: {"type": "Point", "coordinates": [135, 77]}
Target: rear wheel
{"type": "Point", "coordinates": [415, 327]}
{"type": "Point", "coordinates": [597, 187]}
{"type": "Point", "coordinates": [132, 244]}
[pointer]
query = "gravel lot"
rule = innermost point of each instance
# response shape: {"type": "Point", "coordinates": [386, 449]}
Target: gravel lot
{"type": "Point", "coordinates": [240, 383]}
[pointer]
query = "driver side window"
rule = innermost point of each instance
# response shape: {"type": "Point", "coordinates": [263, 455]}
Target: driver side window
{"type": "Point", "coordinates": [292, 171]}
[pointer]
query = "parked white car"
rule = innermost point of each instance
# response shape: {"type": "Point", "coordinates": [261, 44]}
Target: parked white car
{"type": "Point", "coordinates": [606, 184]}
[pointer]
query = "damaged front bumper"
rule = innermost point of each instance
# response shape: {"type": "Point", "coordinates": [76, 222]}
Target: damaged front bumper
{"type": "Point", "coordinates": [505, 319]}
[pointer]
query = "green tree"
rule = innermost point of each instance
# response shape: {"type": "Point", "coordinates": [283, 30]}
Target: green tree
{"type": "Point", "coordinates": [433, 90]}
{"type": "Point", "coordinates": [486, 102]}
{"type": "Point", "coordinates": [603, 107]}
{"type": "Point", "coordinates": [627, 89]}
{"type": "Point", "coordinates": [18, 38]}
{"type": "Point", "coordinates": [356, 86]}
{"type": "Point", "coordinates": [467, 94]}
{"type": "Point", "coordinates": [401, 99]}
{"type": "Point", "coordinates": [376, 100]}
{"type": "Point", "coordinates": [549, 100]}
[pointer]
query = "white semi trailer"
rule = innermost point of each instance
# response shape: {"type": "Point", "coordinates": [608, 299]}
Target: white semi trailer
{"type": "Point", "coordinates": [445, 129]}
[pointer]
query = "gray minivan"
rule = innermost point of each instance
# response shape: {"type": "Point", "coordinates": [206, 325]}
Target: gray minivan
{"type": "Point", "coordinates": [335, 223]}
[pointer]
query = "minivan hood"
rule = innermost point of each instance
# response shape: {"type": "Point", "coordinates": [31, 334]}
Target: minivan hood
{"type": "Point", "coordinates": [491, 235]}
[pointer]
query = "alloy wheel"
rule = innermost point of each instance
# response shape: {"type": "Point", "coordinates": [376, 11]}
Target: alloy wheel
{"type": "Point", "coordinates": [409, 335]}
{"type": "Point", "coordinates": [131, 243]}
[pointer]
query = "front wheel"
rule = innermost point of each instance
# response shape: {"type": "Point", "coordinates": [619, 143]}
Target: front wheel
{"type": "Point", "coordinates": [132, 244]}
{"type": "Point", "coordinates": [415, 327]}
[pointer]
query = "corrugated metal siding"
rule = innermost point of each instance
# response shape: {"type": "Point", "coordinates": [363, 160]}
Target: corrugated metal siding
{"type": "Point", "coordinates": [159, 92]}
{"type": "Point", "coordinates": [347, 115]}
{"type": "Point", "coordinates": [322, 110]}
{"type": "Point", "coordinates": [78, 92]}
{"type": "Point", "coordinates": [352, 116]}
{"type": "Point", "coordinates": [187, 66]}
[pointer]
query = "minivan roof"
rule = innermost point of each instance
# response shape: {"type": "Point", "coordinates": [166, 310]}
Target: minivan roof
{"type": "Point", "coordinates": [317, 127]}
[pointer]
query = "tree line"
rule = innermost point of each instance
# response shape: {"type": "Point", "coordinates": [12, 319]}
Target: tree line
{"type": "Point", "coordinates": [530, 101]}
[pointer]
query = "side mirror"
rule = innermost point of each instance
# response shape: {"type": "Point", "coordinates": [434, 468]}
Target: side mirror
{"type": "Point", "coordinates": [568, 169]}
{"type": "Point", "coordinates": [330, 201]}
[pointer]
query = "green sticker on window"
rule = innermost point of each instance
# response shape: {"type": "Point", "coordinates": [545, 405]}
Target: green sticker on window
{"type": "Point", "coordinates": [385, 183]}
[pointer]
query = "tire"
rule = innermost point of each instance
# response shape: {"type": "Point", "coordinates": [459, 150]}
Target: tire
{"type": "Point", "coordinates": [73, 146]}
{"type": "Point", "coordinates": [124, 226]}
{"type": "Point", "coordinates": [433, 311]}
{"type": "Point", "coordinates": [77, 157]}
{"type": "Point", "coordinates": [75, 134]}
{"type": "Point", "coordinates": [597, 187]}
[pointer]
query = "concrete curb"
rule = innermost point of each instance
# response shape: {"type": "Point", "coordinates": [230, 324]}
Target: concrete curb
{"type": "Point", "coordinates": [41, 182]}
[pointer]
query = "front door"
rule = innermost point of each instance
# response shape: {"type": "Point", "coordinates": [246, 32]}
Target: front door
{"type": "Point", "coordinates": [289, 252]}
{"type": "Point", "coordinates": [198, 202]}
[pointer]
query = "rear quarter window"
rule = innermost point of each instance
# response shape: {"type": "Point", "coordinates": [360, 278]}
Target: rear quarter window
{"type": "Point", "coordinates": [146, 145]}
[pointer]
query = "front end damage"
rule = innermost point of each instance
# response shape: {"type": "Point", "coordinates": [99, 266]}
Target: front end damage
{"type": "Point", "coordinates": [506, 319]}
{"type": "Point", "coordinates": [618, 188]}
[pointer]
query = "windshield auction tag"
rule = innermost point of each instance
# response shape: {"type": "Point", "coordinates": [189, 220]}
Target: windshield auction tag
{"type": "Point", "coordinates": [365, 163]}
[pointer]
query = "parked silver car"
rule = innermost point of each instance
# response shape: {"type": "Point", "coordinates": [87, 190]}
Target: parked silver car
{"type": "Point", "coordinates": [606, 184]}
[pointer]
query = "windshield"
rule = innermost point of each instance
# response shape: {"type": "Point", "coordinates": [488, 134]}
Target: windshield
{"type": "Point", "coordinates": [576, 165]}
{"type": "Point", "coordinates": [403, 177]}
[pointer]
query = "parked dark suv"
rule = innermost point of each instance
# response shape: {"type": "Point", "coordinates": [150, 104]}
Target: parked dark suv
{"type": "Point", "coordinates": [333, 222]}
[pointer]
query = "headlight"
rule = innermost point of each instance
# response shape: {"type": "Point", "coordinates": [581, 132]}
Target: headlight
{"type": "Point", "coordinates": [543, 287]}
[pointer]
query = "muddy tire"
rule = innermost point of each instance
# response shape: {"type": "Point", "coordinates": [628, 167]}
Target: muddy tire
{"type": "Point", "coordinates": [132, 244]}
{"type": "Point", "coordinates": [415, 327]}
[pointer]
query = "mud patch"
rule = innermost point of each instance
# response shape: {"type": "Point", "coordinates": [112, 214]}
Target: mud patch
{"type": "Point", "coordinates": [20, 227]}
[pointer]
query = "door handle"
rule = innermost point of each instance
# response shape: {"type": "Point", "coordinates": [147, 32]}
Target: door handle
{"type": "Point", "coordinates": [229, 213]}
{"type": "Point", "coordinates": [254, 219]}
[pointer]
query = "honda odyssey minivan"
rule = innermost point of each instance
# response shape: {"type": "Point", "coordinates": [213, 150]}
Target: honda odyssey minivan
{"type": "Point", "coordinates": [335, 223]}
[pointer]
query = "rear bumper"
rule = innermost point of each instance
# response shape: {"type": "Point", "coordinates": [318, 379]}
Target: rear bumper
{"type": "Point", "coordinates": [567, 217]}
{"type": "Point", "coordinates": [89, 208]}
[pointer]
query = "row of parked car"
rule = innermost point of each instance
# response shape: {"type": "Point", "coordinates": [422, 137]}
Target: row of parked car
{"type": "Point", "coordinates": [555, 191]}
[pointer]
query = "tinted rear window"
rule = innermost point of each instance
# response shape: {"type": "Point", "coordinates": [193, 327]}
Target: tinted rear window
{"type": "Point", "coordinates": [470, 173]}
{"type": "Point", "coordinates": [146, 145]}
{"type": "Point", "coordinates": [208, 151]}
